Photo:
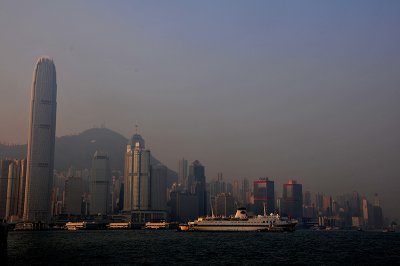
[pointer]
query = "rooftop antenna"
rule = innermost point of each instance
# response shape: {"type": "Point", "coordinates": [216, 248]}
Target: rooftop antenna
{"type": "Point", "coordinates": [136, 127]}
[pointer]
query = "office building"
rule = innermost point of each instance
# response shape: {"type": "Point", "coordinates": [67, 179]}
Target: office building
{"type": "Point", "coordinates": [15, 189]}
{"type": "Point", "coordinates": [292, 200]}
{"type": "Point", "coordinates": [244, 192]}
{"type": "Point", "coordinates": [377, 213]}
{"type": "Point", "coordinates": [137, 175]}
{"type": "Point", "coordinates": [217, 186]}
{"type": "Point", "coordinates": [159, 188]}
{"type": "Point", "coordinates": [4, 166]}
{"type": "Point", "coordinates": [41, 138]}
{"type": "Point", "coordinates": [183, 174]}
{"type": "Point", "coordinates": [264, 195]}
{"type": "Point", "coordinates": [196, 174]}
{"type": "Point", "coordinates": [236, 190]}
{"type": "Point", "coordinates": [73, 195]}
{"type": "Point", "coordinates": [326, 205]}
{"type": "Point", "coordinates": [183, 206]}
{"type": "Point", "coordinates": [100, 196]}
{"type": "Point", "coordinates": [224, 205]}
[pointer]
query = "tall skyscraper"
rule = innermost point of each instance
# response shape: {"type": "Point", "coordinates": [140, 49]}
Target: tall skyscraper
{"type": "Point", "coordinates": [137, 175]}
{"type": "Point", "coordinates": [100, 179]}
{"type": "Point", "coordinates": [196, 173]}
{"type": "Point", "coordinates": [377, 213]}
{"type": "Point", "coordinates": [16, 180]}
{"type": "Point", "coordinates": [73, 195]}
{"type": "Point", "coordinates": [182, 173]}
{"type": "Point", "coordinates": [4, 166]}
{"type": "Point", "coordinates": [236, 190]}
{"type": "Point", "coordinates": [41, 138]}
{"type": "Point", "coordinates": [292, 199]}
{"type": "Point", "coordinates": [355, 204]}
{"type": "Point", "coordinates": [264, 195]}
{"type": "Point", "coordinates": [217, 186]}
{"type": "Point", "coordinates": [159, 188]}
{"type": "Point", "coordinates": [244, 192]}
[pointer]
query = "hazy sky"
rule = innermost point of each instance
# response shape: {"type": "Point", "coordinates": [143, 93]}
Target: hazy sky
{"type": "Point", "coordinates": [287, 89]}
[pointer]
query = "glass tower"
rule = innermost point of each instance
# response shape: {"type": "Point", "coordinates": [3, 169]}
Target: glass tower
{"type": "Point", "coordinates": [100, 184]}
{"type": "Point", "coordinates": [137, 189]}
{"type": "Point", "coordinates": [41, 138]}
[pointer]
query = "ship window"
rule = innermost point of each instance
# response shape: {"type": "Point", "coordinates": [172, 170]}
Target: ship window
{"type": "Point", "coordinates": [242, 212]}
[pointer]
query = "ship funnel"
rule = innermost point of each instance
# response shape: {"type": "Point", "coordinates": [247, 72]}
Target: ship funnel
{"type": "Point", "coordinates": [241, 213]}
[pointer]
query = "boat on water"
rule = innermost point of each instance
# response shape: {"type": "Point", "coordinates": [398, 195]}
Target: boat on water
{"type": "Point", "coordinates": [73, 226]}
{"type": "Point", "coordinates": [183, 227]}
{"type": "Point", "coordinates": [119, 225]}
{"type": "Point", "coordinates": [242, 222]}
{"type": "Point", "coordinates": [160, 225]}
{"type": "Point", "coordinates": [156, 225]}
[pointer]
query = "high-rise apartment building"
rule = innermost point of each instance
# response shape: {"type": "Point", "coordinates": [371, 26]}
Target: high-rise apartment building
{"type": "Point", "coordinates": [183, 173]}
{"type": "Point", "coordinates": [264, 196]}
{"type": "Point", "coordinates": [100, 178]}
{"type": "Point", "coordinates": [137, 175]}
{"type": "Point", "coordinates": [41, 138]}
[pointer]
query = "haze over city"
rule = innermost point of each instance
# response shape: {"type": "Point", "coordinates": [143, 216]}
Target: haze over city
{"type": "Point", "coordinates": [279, 89]}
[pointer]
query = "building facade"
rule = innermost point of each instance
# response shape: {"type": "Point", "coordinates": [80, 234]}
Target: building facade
{"type": "Point", "coordinates": [183, 206]}
{"type": "Point", "coordinates": [4, 166]}
{"type": "Point", "coordinates": [16, 189]}
{"type": "Point", "coordinates": [197, 175]}
{"type": "Point", "coordinates": [264, 196]}
{"type": "Point", "coordinates": [183, 174]}
{"type": "Point", "coordinates": [292, 199]}
{"type": "Point", "coordinates": [224, 205]}
{"type": "Point", "coordinates": [73, 195]}
{"type": "Point", "coordinates": [100, 178]}
{"type": "Point", "coordinates": [41, 138]}
{"type": "Point", "coordinates": [159, 188]}
{"type": "Point", "coordinates": [137, 176]}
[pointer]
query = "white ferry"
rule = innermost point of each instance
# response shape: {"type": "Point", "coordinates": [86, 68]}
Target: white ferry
{"type": "Point", "coordinates": [242, 222]}
{"type": "Point", "coordinates": [156, 225]}
{"type": "Point", "coordinates": [119, 225]}
{"type": "Point", "coordinates": [73, 226]}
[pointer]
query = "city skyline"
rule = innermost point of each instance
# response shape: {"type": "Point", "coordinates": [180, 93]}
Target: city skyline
{"type": "Point", "coordinates": [309, 94]}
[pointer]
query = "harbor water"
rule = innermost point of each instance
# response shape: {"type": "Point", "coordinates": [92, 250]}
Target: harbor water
{"type": "Point", "coordinates": [170, 247]}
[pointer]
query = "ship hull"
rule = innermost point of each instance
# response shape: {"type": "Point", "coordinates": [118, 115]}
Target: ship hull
{"type": "Point", "coordinates": [242, 228]}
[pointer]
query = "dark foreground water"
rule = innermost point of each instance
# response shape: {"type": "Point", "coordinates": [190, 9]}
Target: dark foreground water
{"type": "Point", "coordinates": [170, 247]}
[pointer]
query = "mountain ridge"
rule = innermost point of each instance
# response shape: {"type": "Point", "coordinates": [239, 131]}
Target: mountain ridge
{"type": "Point", "coordinates": [78, 150]}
